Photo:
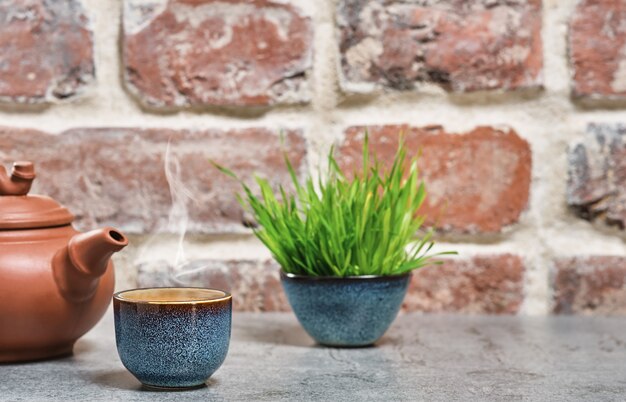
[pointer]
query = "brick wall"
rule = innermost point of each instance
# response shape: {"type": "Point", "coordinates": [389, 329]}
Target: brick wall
{"type": "Point", "coordinates": [518, 107]}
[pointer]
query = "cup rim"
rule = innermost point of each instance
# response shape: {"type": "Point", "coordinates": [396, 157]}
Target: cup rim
{"type": "Point", "coordinates": [119, 296]}
{"type": "Point", "coordinates": [344, 279]}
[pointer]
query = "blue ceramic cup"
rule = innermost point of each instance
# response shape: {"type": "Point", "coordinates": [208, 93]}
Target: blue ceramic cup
{"type": "Point", "coordinates": [172, 338]}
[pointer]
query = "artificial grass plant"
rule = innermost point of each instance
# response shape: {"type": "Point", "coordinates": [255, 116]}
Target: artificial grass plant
{"type": "Point", "coordinates": [363, 224]}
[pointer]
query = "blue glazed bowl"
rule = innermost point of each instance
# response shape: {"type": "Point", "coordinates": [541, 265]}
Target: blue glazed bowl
{"type": "Point", "coordinates": [352, 311]}
{"type": "Point", "coordinates": [172, 337]}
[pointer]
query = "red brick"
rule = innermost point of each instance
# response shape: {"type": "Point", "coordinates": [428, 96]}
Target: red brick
{"type": "Point", "coordinates": [182, 53]}
{"type": "Point", "coordinates": [597, 49]}
{"type": "Point", "coordinates": [458, 44]}
{"type": "Point", "coordinates": [589, 285]}
{"type": "Point", "coordinates": [483, 284]}
{"type": "Point", "coordinates": [477, 182]}
{"type": "Point", "coordinates": [46, 50]}
{"type": "Point", "coordinates": [255, 284]}
{"type": "Point", "coordinates": [115, 176]}
{"type": "Point", "coordinates": [596, 186]}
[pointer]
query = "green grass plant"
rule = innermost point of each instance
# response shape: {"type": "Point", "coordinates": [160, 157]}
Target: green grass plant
{"type": "Point", "coordinates": [343, 225]}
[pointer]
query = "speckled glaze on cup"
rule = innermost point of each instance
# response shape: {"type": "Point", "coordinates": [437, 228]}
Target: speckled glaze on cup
{"type": "Point", "coordinates": [172, 338]}
{"type": "Point", "coordinates": [349, 312]}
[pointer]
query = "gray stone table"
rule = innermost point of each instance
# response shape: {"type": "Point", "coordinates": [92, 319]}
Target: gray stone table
{"type": "Point", "coordinates": [422, 357]}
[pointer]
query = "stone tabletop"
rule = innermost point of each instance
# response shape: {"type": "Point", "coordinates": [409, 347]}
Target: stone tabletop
{"type": "Point", "coordinates": [422, 357]}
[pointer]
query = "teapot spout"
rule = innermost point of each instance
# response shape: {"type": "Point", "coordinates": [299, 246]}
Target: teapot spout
{"type": "Point", "coordinates": [78, 267]}
{"type": "Point", "coordinates": [90, 252]}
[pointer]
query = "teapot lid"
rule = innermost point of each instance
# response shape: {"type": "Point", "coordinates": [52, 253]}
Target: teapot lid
{"type": "Point", "coordinates": [18, 210]}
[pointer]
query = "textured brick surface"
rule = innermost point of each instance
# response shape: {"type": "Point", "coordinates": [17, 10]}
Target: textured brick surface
{"type": "Point", "coordinates": [116, 176]}
{"type": "Point", "coordinates": [46, 50]}
{"type": "Point", "coordinates": [484, 284]}
{"type": "Point", "coordinates": [596, 186]}
{"type": "Point", "coordinates": [461, 45]}
{"type": "Point", "coordinates": [589, 285]}
{"type": "Point", "coordinates": [477, 182]}
{"type": "Point", "coordinates": [597, 49]}
{"type": "Point", "coordinates": [181, 53]}
{"type": "Point", "coordinates": [255, 284]}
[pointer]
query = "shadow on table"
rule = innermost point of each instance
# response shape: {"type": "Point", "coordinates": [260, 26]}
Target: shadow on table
{"type": "Point", "coordinates": [122, 379]}
{"type": "Point", "coordinates": [286, 334]}
{"type": "Point", "coordinates": [274, 333]}
{"type": "Point", "coordinates": [118, 379]}
{"type": "Point", "coordinates": [84, 346]}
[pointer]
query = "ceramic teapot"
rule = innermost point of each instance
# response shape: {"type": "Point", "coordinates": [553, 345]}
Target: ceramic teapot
{"type": "Point", "coordinates": [55, 283]}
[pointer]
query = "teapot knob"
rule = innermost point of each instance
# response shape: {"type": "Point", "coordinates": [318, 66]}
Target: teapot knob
{"type": "Point", "coordinates": [20, 181]}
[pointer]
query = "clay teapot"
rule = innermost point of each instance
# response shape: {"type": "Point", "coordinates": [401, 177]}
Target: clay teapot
{"type": "Point", "coordinates": [56, 283]}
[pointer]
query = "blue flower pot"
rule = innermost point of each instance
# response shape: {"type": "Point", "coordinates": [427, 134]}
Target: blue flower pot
{"type": "Point", "coordinates": [352, 311]}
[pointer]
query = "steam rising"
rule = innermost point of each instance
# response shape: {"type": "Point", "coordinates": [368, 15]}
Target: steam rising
{"type": "Point", "coordinates": [151, 252]}
{"type": "Point", "coordinates": [179, 216]}
{"type": "Point", "coordinates": [155, 259]}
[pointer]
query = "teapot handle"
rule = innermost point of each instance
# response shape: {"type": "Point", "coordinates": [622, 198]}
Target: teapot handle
{"type": "Point", "coordinates": [22, 176]}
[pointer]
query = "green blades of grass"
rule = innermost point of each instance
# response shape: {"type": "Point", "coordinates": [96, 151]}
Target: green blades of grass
{"type": "Point", "coordinates": [342, 226]}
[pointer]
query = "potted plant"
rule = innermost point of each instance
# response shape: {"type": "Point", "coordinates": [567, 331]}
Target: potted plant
{"type": "Point", "coordinates": [346, 245]}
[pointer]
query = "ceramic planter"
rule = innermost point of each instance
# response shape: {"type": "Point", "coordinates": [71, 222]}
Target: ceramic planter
{"type": "Point", "coordinates": [352, 311]}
